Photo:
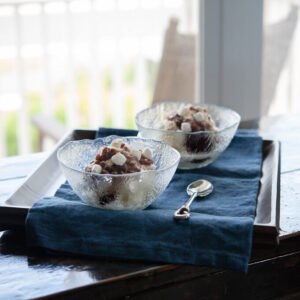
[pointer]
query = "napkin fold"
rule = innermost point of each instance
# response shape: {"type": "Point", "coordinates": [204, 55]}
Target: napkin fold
{"type": "Point", "coordinates": [218, 233]}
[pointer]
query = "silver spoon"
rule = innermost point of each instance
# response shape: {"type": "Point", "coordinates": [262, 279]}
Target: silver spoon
{"type": "Point", "coordinates": [198, 188]}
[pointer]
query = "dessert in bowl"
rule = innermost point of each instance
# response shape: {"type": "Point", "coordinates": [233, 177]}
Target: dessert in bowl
{"type": "Point", "coordinates": [118, 172]}
{"type": "Point", "coordinates": [199, 133]}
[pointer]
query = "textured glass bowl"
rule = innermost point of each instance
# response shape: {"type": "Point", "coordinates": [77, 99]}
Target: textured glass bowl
{"type": "Point", "coordinates": [124, 191]}
{"type": "Point", "coordinates": [197, 149]}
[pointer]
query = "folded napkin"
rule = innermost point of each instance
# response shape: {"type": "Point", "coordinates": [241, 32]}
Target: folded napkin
{"type": "Point", "coordinates": [218, 233]}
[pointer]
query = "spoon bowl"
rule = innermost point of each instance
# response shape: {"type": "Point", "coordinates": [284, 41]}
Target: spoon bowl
{"type": "Point", "coordinates": [201, 187]}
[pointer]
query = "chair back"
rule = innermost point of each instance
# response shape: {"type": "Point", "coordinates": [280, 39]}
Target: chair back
{"type": "Point", "coordinates": [176, 74]}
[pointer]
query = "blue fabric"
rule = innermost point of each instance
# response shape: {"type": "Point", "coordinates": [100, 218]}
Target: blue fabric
{"type": "Point", "coordinates": [218, 233]}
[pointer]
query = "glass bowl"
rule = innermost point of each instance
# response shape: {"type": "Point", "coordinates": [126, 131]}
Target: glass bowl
{"type": "Point", "coordinates": [197, 149]}
{"type": "Point", "coordinates": [123, 191]}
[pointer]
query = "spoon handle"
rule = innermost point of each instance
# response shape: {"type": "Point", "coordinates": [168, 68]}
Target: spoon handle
{"type": "Point", "coordinates": [184, 211]}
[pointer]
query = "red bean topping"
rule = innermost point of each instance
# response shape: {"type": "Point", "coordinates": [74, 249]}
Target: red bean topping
{"type": "Point", "coordinates": [171, 118]}
{"type": "Point", "coordinates": [202, 125]}
{"type": "Point", "coordinates": [195, 127]}
{"type": "Point", "coordinates": [136, 169]}
{"type": "Point", "coordinates": [132, 164]}
{"type": "Point", "coordinates": [146, 161]}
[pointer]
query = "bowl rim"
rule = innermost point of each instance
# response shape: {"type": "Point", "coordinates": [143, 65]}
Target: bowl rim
{"type": "Point", "coordinates": [59, 151]}
{"type": "Point", "coordinates": [183, 132]}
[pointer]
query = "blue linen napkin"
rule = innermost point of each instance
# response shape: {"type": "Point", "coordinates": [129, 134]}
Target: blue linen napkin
{"type": "Point", "coordinates": [218, 233]}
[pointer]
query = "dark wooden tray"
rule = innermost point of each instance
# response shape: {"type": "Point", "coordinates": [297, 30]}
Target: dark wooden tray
{"type": "Point", "coordinates": [266, 226]}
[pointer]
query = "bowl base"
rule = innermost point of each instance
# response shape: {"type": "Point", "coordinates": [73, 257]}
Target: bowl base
{"type": "Point", "coordinates": [195, 164]}
{"type": "Point", "coordinates": [198, 160]}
